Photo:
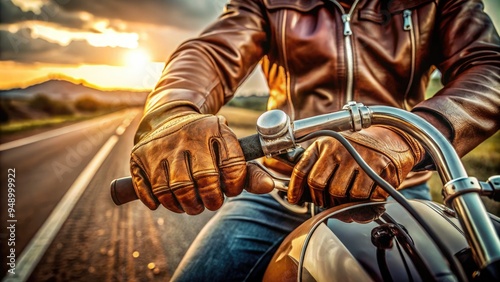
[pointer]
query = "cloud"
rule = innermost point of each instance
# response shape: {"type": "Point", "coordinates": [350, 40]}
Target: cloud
{"type": "Point", "coordinates": [32, 44]}
{"type": "Point", "coordinates": [49, 13]}
{"type": "Point", "coordinates": [21, 47]}
{"type": "Point", "coordinates": [15, 45]}
{"type": "Point", "coordinates": [50, 30]}
{"type": "Point", "coordinates": [186, 14]}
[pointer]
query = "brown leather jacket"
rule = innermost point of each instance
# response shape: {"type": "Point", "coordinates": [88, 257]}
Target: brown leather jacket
{"type": "Point", "coordinates": [317, 55]}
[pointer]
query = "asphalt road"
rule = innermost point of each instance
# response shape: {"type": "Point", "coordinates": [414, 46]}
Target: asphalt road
{"type": "Point", "coordinates": [83, 236]}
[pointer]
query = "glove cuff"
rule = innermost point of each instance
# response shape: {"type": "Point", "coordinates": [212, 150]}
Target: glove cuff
{"type": "Point", "coordinates": [415, 146]}
{"type": "Point", "coordinates": [157, 116]}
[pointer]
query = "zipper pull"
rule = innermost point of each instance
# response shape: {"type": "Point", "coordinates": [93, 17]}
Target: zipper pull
{"type": "Point", "coordinates": [407, 20]}
{"type": "Point", "coordinates": [346, 18]}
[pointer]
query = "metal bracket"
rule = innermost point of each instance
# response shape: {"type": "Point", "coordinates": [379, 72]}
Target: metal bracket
{"type": "Point", "coordinates": [360, 115]}
{"type": "Point", "coordinates": [460, 186]}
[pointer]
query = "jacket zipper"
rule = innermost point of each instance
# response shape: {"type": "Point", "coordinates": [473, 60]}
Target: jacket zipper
{"type": "Point", "coordinates": [408, 26]}
{"type": "Point", "coordinates": [346, 19]}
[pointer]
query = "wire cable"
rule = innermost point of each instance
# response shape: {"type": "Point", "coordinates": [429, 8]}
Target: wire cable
{"type": "Point", "coordinates": [452, 260]}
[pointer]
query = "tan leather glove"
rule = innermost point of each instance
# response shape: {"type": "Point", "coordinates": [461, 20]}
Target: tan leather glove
{"type": "Point", "coordinates": [332, 176]}
{"type": "Point", "coordinates": [189, 161]}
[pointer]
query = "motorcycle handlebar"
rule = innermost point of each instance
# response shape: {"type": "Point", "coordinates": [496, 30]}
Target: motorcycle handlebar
{"type": "Point", "coordinates": [122, 189]}
{"type": "Point", "coordinates": [277, 134]}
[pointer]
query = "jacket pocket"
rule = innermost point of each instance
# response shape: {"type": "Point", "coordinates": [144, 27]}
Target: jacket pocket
{"type": "Point", "coordinates": [383, 15]}
{"type": "Point", "coordinates": [397, 6]}
{"type": "Point", "coordinates": [373, 16]}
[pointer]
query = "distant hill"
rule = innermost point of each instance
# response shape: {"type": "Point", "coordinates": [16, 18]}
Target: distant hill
{"type": "Point", "coordinates": [64, 90]}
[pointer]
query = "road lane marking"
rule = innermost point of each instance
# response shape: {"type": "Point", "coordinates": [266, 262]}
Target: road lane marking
{"type": "Point", "coordinates": [48, 134]}
{"type": "Point", "coordinates": [36, 248]}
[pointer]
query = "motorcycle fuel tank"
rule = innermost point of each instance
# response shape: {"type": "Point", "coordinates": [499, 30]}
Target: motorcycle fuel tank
{"type": "Point", "coordinates": [370, 242]}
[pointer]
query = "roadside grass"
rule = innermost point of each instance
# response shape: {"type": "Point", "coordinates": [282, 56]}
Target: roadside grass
{"type": "Point", "coordinates": [19, 126]}
{"type": "Point", "coordinates": [25, 125]}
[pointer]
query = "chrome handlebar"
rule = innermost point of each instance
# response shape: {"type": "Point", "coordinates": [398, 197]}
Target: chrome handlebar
{"type": "Point", "coordinates": [278, 134]}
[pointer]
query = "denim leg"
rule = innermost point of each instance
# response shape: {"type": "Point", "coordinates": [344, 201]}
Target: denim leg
{"type": "Point", "coordinates": [239, 241]}
{"type": "Point", "coordinates": [421, 192]}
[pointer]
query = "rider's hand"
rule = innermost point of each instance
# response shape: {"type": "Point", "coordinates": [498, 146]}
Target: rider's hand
{"type": "Point", "coordinates": [189, 161]}
{"type": "Point", "coordinates": [332, 176]}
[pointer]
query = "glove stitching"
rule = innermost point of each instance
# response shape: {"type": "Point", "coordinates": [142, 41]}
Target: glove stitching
{"type": "Point", "coordinates": [224, 144]}
{"type": "Point", "coordinates": [149, 138]}
{"type": "Point", "coordinates": [187, 164]}
{"type": "Point", "coordinates": [161, 189]}
{"type": "Point", "coordinates": [165, 166]}
{"type": "Point", "coordinates": [376, 145]}
{"type": "Point", "coordinates": [415, 147]}
{"type": "Point", "coordinates": [216, 158]}
{"type": "Point", "coordinates": [204, 173]}
{"type": "Point", "coordinates": [182, 184]}
{"type": "Point", "coordinates": [231, 164]}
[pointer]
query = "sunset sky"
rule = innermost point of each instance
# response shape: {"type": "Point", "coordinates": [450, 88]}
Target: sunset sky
{"type": "Point", "coordinates": [109, 43]}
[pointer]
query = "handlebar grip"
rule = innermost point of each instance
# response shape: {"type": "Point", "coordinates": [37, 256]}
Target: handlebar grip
{"type": "Point", "coordinates": [251, 147]}
{"type": "Point", "coordinates": [122, 189]}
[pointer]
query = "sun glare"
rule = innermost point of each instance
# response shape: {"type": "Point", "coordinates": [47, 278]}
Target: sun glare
{"type": "Point", "coordinates": [137, 58]}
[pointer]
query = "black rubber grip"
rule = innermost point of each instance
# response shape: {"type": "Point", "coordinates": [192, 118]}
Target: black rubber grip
{"type": "Point", "coordinates": [122, 189]}
{"type": "Point", "coordinates": [251, 147]}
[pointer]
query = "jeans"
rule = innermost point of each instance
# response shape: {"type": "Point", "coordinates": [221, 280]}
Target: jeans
{"type": "Point", "coordinates": [238, 243]}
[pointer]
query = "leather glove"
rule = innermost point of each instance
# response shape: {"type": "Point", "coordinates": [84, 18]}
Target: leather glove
{"type": "Point", "coordinates": [332, 176]}
{"type": "Point", "coordinates": [189, 161]}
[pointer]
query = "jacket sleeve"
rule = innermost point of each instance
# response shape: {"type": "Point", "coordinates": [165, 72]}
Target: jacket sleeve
{"type": "Point", "coordinates": [204, 72]}
{"type": "Point", "coordinates": [467, 108]}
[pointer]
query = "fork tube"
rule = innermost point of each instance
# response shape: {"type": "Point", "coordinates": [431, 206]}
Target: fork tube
{"type": "Point", "coordinates": [470, 210]}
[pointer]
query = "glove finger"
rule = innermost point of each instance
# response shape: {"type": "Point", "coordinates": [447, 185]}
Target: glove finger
{"type": "Point", "coordinates": [342, 180]}
{"type": "Point", "coordinates": [361, 186]}
{"type": "Point", "coordinates": [164, 193]}
{"type": "Point", "coordinates": [142, 187]}
{"type": "Point", "coordinates": [319, 177]}
{"type": "Point", "coordinates": [231, 161]}
{"type": "Point", "coordinates": [380, 194]}
{"type": "Point", "coordinates": [182, 185]}
{"type": "Point", "coordinates": [168, 200]}
{"type": "Point", "coordinates": [324, 170]}
{"type": "Point", "coordinates": [298, 180]}
{"type": "Point", "coordinates": [208, 186]}
{"type": "Point", "coordinates": [258, 182]}
{"type": "Point", "coordinates": [187, 198]}
{"type": "Point", "coordinates": [364, 187]}
{"type": "Point", "coordinates": [206, 177]}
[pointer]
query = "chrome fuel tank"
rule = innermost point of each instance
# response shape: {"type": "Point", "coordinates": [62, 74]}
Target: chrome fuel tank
{"type": "Point", "coordinates": [370, 242]}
